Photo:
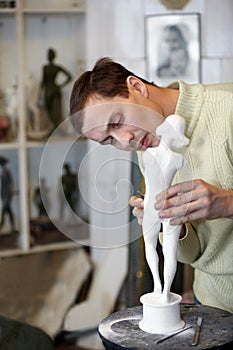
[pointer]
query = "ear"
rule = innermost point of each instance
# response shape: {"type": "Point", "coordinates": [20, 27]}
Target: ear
{"type": "Point", "coordinates": [135, 84]}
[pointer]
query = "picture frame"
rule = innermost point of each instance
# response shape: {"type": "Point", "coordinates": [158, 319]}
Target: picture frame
{"type": "Point", "coordinates": [173, 48]}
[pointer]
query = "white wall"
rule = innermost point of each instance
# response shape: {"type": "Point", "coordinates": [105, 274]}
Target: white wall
{"type": "Point", "coordinates": [115, 28]}
{"type": "Point", "coordinates": [217, 41]}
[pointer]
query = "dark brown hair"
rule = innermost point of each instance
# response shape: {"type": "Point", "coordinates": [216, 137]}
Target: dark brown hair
{"type": "Point", "coordinates": [107, 79]}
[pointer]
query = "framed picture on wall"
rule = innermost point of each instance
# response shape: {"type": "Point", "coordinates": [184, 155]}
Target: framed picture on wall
{"type": "Point", "coordinates": [173, 49]}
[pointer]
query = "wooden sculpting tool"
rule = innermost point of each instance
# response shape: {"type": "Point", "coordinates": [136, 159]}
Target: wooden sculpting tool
{"type": "Point", "coordinates": [197, 332]}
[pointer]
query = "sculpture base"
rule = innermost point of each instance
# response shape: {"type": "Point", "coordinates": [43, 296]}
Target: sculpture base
{"type": "Point", "coordinates": [160, 317]}
{"type": "Point", "coordinates": [120, 330]}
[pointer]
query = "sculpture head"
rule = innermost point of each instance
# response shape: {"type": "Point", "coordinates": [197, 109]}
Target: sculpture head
{"type": "Point", "coordinates": [172, 131]}
{"type": "Point", "coordinates": [3, 161]}
{"type": "Point", "coordinates": [51, 54]}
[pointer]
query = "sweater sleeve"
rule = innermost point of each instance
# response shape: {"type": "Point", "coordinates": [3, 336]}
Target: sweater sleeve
{"type": "Point", "coordinates": [188, 249]}
{"type": "Point", "coordinates": [189, 246]}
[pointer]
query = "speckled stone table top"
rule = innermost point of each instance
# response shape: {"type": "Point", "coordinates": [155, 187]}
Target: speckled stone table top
{"type": "Point", "coordinates": [120, 330]}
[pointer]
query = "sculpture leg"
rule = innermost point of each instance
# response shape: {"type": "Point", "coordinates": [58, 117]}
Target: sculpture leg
{"type": "Point", "coordinates": [56, 109]}
{"type": "Point", "coordinates": [3, 215]}
{"type": "Point", "coordinates": [150, 239]}
{"type": "Point", "coordinates": [170, 241]}
{"type": "Point", "coordinates": [11, 217]}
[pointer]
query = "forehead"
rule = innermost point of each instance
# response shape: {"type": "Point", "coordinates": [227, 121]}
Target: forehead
{"type": "Point", "coordinates": [96, 113]}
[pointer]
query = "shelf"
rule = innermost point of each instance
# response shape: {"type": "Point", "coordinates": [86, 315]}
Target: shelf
{"type": "Point", "coordinates": [42, 248]}
{"type": "Point", "coordinates": [7, 11]}
{"type": "Point", "coordinates": [53, 6]}
{"type": "Point", "coordinates": [44, 241]}
{"type": "Point", "coordinates": [9, 145]}
{"type": "Point", "coordinates": [65, 11]}
{"type": "Point", "coordinates": [27, 33]}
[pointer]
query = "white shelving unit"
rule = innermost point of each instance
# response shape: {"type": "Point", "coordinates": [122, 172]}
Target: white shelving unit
{"type": "Point", "coordinates": [26, 32]}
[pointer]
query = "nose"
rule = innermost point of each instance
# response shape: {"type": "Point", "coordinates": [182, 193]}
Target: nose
{"type": "Point", "coordinates": [123, 138]}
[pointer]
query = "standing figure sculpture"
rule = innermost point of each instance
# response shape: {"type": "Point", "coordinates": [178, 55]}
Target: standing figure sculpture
{"type": "Point", "coordinates": [50, 90]}
{"type": "Point", "coordinates": [69, 184]}
{"type": "Point", "coordinates": [161, 164]}
{"type": "Point", "coordinates": [6, 193]}
{"type": "Point", "coordinates": [40, 198]}
{"type": "Point", "coordinates": [12, 102]}
{"type": "Point", "coordinates": [33, 110]}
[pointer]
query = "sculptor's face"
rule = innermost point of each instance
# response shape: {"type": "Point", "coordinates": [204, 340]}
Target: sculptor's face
{"type": "Point", "coordinates": [126, 123]}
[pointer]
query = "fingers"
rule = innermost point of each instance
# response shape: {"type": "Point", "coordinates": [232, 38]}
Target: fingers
{"type": "Point", "coordinates": [136, 201]}
{"type": "Point", "coordinates": [176, 189]}
{"type": "Point", "coordinates": [138, 212]}
{"type": "Point", "coordinates": [175, 201]}
{"type": "Point", "coordinates": [200, 214]}
{"type": "Point", "coordinates": [184, 202]}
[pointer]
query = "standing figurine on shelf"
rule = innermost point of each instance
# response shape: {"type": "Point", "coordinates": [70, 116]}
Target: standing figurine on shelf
{"type": "Point", "coordinates": [33, 110]}
{"type": "Point", "coordinates": [5, 123]}
{"type": "Point", "coordinates": [39, 193]}
{"type": "Point", "coordinates": [12, 103]}
{"type": "Point", "coordinates": [69, 185]}
{"type": "Point", "coordinates": [50, 91]}
{"type": "Point", "coordinates": [6, 193]}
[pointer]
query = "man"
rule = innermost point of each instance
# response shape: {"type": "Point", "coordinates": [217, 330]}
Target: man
{"type": "Point", "coordinates": [112, 105]}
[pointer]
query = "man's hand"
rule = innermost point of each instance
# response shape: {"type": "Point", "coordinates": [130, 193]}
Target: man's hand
{"type": "Point", "coordinates": [192, 200]}
{"type": "Point", "coordinates": [138, 203]}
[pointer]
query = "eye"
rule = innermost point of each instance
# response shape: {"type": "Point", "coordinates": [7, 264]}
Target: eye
{"type": "Point", "coordinates": [118, 122]}
{"type": "Point", "coordinates": [110, 140]}
{"type": "Point", "coordinates": [115, 125]}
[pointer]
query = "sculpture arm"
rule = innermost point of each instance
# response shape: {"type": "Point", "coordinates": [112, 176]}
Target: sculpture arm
{"type": "Point", "coordinates": [68, 77]}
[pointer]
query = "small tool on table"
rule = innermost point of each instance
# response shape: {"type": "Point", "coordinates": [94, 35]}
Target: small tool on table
{"type": "Point", "coordinates": [197, 332]}
{"type": "Point", "coordinates": [172, 334]}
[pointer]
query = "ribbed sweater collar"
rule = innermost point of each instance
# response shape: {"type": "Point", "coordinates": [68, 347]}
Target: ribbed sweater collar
{"type": "Point", "coordinates": [189, 103]}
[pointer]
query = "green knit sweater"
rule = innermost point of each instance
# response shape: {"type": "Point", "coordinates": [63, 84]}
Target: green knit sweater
{"type": "Point", "coordinates": [208, 244]}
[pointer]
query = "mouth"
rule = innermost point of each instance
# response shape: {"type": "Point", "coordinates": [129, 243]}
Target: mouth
{"type": "Point", "coordinates": [144, 142]}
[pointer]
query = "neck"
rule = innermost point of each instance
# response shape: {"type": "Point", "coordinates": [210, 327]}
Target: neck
{"type": "Point", "coordinates": [166, 98]}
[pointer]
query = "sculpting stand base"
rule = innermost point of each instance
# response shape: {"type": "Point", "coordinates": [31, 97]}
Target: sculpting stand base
{"type": "Point", "coordinates": [120, 330]}
{"type": "Point", "coordinates": [160, 317]}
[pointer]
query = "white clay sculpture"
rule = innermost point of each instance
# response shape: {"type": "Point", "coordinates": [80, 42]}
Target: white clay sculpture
{"type": "Point", "coordinates": [161, 164]}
